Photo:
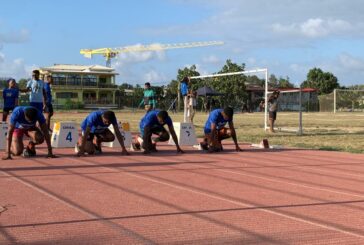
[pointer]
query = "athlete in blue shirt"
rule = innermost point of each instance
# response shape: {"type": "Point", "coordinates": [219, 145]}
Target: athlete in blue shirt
{"type": "Point", "coordinates": [48, 110]}
{"type": "Point", "coordinates": [184, 91]}
{"type": "Point", "coordinates": [11, 98]}
{"type": "Point", "coordinates": [23, 120]}
{"type": "Point", "coordinates": [184, 86]}
{"type": "Point", "coordinates": [153, 123]}
{"type": "Point", "coordinates": [97, 124]}
{"type": "Point", "coordinates": [215, 130]}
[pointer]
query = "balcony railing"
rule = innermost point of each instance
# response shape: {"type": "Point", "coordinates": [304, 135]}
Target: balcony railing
{"type": "Point", "coordinates": [97, 102]}
{"type": "Point", "coordinates": [107, 86]}
{"type": "Point", "coordinates": [84, 85]}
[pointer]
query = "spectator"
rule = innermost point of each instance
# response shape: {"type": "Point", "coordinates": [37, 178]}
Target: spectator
{"type": "Point", "coordinates": [149, 99]}
{"type": "Point", "coordinates": [11, 98]}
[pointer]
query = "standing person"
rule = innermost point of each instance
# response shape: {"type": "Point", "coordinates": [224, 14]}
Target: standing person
{"type": "Point", "coordinates": [37, 95]}
{"type": "Point", "coordinates": [273, 107]}
{"type": "Point", "coordinates": [48, 110]}
{"type": "Point", "coordinates": [11, 98]}
{"type": "Point", "coordinates": [149, 99]}
{"type": "Point", "coordinates": [261, 106]}
{"type": "Point", "coordinates": [96, 124]}
{"type": "Point", "coordinates": [184, 91]}
{"type": "Point", "coordinates": [153, 123]}
{"type": "Point", "coordinates": [215, 130]}
{"type": "Point", "coordinates": [208, 104]}
{"type": "Point", "coordinates": [174, 107]}
{"type": "Point", "coordinates": [23, 122]}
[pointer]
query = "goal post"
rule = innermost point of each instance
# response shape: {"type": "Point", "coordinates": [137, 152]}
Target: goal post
{"type": "Point", "coordinates": [247, 72]}
{"type": "Point", "coordinates": [342, 100]}
{"type": "Point", "coordinates": [348, 100]}
{"type": "Point", "coordinates": [267, 91]}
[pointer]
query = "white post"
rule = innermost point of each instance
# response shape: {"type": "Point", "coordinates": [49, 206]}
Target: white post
{"type": "Point", "coordinates": [232, 73]}
{"type": "Point", "coordinates": [300, 132]}
{"type": "Point", "coordinates": [265, 70]}
{"type": "Point", "coordinates": [266, 100]}
{"type": "Point", "coordinates": [334, 100]}
{"type": "Point", "coordinates": [179, 97]}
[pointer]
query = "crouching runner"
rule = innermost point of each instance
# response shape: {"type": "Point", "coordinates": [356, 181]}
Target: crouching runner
{"type": "Point", "coordinates": [97, 125]}
{"type": "Point", "coordinates": [215, 130]}
{"type": "Point", "coordinates": [23, 122]}
{"type": "Point", "coordinates": [153, 123]}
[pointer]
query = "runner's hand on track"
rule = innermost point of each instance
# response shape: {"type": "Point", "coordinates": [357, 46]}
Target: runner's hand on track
{"type": "Point", "coordinates": [7, 157]}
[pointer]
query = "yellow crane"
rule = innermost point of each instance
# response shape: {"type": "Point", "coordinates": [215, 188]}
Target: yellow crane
{"type": "Point", "coordinates": [110, 53]}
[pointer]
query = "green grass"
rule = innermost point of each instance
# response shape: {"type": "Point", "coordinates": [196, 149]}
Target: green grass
{"type": "Point", "coordinates": [322, 131]}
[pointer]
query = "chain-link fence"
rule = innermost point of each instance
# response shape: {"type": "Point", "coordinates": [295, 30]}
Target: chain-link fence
{"type": "Point", "coordinates": [341, 100]}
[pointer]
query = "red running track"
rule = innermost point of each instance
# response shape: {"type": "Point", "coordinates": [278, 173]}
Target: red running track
{"type": "Point", "coordinates": [269, 197]}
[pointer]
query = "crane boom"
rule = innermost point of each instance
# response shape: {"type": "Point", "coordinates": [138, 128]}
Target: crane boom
{"type": "Point", "coordinates": [109, 53]}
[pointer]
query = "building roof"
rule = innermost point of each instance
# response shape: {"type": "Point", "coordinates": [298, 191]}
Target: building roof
{"type": "Point", "coordinates": [92, 69]}
{"type": "Point", "coordinates": [305, 90]}
{"type": "Point", "coordinates": [256, 88]}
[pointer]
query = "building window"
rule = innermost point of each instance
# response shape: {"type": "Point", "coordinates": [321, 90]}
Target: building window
{"type": "Point", "coordinates": [102, 80]}
{"type": "Point", "coordinates": [74, 80]}
{"type": "Point", "coordinates": [59, 79]}
{"type": "Point", "coordinates": [89, 81]}
{"type": "Point", "coordinates": [66, 95]}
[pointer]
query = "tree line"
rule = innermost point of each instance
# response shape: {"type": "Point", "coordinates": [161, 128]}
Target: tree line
{"type": "Point", "coordinates": [233, 88]}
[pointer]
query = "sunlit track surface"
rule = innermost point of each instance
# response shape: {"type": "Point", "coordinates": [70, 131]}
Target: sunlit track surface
{"type": "Point", "coordinates": [287, 196]}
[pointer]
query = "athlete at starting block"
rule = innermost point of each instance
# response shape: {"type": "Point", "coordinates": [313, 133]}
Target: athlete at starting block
{"type": "Point", "coordinates": [23, 122]}
{"type": "Point", "coordinates": [96, 125]}
{"type": "Point", "coordinates": [215, 130]}
{"type": "Point", "coordinates": [153, 123]}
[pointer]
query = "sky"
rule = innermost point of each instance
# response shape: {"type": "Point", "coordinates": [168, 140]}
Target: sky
{"type": "Point", "coordinates": [289, 37]}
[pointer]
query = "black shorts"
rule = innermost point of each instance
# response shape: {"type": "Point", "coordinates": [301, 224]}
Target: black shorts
{"type": "Point", "coordinates": [98, 135]}
{"type": "Point", "coordinates": [8, 109]}
{"type": "Point", "coordinates": [48, 108]}
{"type": "Point", "coordinates": [272, 115]}
{"type": "Point", "coordinates": [156, 129]}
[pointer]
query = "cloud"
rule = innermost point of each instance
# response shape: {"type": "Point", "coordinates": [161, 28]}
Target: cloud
{"type": "Point", "coordinates": [2, 58]}
{"type": "Point", "coordinates": [346, 67]}
{"type": "Point", "coordinates": [351, 63]}
{"type": "Point", "coordinates": [199, 68]}
{"type": "Point", "coordinates": [15, 36]}
{"type": "Point", "coordinates": [135, 57]}
{"type": "Point", "coordinates": [131, 65]}
{"type": "Point", "coordinates": [16, 68]}
{"type": "Point", "coordinates": [211, 59]}
{"type": "Point", "coordinates": [314, 28]}
{"type": "Point", "coordinates": [154, 76]}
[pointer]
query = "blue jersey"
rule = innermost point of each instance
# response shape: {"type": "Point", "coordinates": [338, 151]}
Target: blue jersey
{"type": "Point", "coordinates": [184, 89]}
{"type": "Point", "coordinates": [18, 118]}
{"type": "Point", "coordinates": [94, 121]}
{"type": "Point", "coordinates": [48, 90]}
{"type": "Point", "coordinates": [217, 118]}
{"type": "Point", "coordinates": [150, 119]}
{"type": "Point", "coordinates": [36, 91]}
{"type": "Point", "coordinates": [10, 95]}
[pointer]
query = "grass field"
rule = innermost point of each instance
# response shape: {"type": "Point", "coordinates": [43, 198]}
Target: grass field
{"type": "Point", "coordinates": [324, 131]}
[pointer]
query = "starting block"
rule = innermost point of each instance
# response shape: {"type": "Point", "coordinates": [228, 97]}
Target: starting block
{"type": "Point", "coordinates": [125, 133]}
{"type": "Point", "coordinates": [140, 141]}
{"type": "Point", "coordinates": [263, 144]}
{"type": "Point", "coordinates": [65, 135]}
{"type": "Point", "coordinates": [185, 134]}
{"type": "Point", "coordinates": [3, 134]}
